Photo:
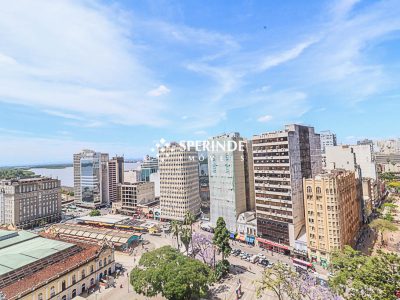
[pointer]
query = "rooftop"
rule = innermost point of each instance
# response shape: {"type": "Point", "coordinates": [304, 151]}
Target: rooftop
{"type": "Point", "coordinates": [20, 248]}
{"type": "Point", "coordinates": [108, 219]}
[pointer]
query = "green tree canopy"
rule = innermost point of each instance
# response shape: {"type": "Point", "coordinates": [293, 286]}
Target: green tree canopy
{"type": "Point", "coordinates": [360, 277]}
{"type": "Point", "coordinates": [11, 173]}
{"type": "Point", "coordinates": [221, 238]}
{"type": "Point", "coordinates": [383, 225]}
{"type": "Point", "coordinates": [167, 272]}
{"type": "Point", "coordinates": [95, 213]}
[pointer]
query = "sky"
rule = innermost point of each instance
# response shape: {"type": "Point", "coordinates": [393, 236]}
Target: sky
{"type": "Point", "coordinates": [118, 76]}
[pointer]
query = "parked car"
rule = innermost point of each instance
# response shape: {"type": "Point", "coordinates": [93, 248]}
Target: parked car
{"type": "Point", "coordinates": [263, 262]}
{"type": "Point", "coordinates": [253, 259]}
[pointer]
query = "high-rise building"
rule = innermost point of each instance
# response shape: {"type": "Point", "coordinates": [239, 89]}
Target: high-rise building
{"type": "Point", "coordinates": [179, 182]}
{"type": "Point", "coordinates": [115, 176]}
{"type": "Point", "coordinates": [391, 146]}
{"type": "Point", "coordinates": [30, 202]}
{"type": "Point", "coordinates": [204, 182]}
{"type": "Point", "coordinates": [328, 138]}
{"type": "Point", "coordinates": [366, 160]}
{"type": "Point", "coordinates": [133, 194]}
{"type": "Point", "coordinates": [230, 179]}
{"type": "Point", "coordinates": [91, 179]}
{"type": "Point", "coordinates": [281, 160]}
{"type": "Point", "coordinates": [148, 166]}
{"type": "Point", "coordinates": [332, 213]}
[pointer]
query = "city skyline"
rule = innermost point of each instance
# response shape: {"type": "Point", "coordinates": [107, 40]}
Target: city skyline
{"type": "Point", "coordinates": [121, 76]}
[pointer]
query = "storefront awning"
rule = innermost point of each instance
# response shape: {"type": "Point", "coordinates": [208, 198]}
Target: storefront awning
{"type": "Point", "coordinates": [232, 235]}
{"type": "Point", "coordinates": [250, 239]}
{"type": "Point", "coordinates": [241, 237]}
{"type": "Point", "coordinates": [264, 241]}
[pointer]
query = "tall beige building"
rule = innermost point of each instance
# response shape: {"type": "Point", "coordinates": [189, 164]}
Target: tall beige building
{"type": "Point", "coordinates": [30, 202]}
{"type": "Point", "coordinates": [132, 194]}
{"type": "Point", "coordinates": [115, 176]}
{"type": "Point", "coordinates": [179, 182]}
{"type": "Point", "coordinates": [332, 213]}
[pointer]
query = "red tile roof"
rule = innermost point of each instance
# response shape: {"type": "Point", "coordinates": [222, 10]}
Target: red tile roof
{"type": "Point", "coordinates": [49, 273]}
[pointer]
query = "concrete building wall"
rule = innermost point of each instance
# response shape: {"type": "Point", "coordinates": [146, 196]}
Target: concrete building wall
{"type": "Point", "coordinates": [30, 202]}
{"type": "Point", "coordinates": [332, 213]}
{"type": "Point", "coordinates": [227, 181]}
{"type": "Point", "coordinates": [179, 182]}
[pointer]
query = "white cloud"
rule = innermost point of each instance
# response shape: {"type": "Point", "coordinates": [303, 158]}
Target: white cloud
{"type": "Point", "coordinates": [264, 119]}
{"type": "Point", "coordinates": [161, 90]}
{"type": "Point", "coordinates": [62, 114]}
{"type": "Point", "coordinates": [285, 56]}
{"type": "Point", "coordinates": [88, 66]}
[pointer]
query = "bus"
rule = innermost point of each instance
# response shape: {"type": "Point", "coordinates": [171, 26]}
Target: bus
{"type": "Point", "coordinates": [305, 265]}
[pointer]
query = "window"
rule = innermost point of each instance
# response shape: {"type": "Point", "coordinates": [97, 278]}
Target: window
{"type": "Point", "coordinates": [109, 259]}
{"type": "Point", "coordinates": [105, 261]}
{"type": "Point", "coordinates": [52, 291]}
{"type": "Point", "coordinates": [318, 190]}
{"type": "Point", "coordinates": [73, 279]}
{"type": "Point", "coordinates": [309, 189]}
{"type": "Point", "coordinates": [91, 281]}
{"type": "Point", "coordinates": [40, 296]}
{"type": "Point", "coordinates": [63, 285]}
{"type": "Point", "coordinates": [64, 297]}
{"type": "Point", "coordinates": [73, 293]}
{"type": "Point", "coordinates": [83, 273]}
{"type": "Point", "coordinates": [100, 263]}
{"type": "Point", "coordinates": [91, 269]}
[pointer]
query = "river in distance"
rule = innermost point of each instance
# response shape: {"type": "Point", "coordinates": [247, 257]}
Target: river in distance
{"type": "Point", "coordinates": [66, 175]}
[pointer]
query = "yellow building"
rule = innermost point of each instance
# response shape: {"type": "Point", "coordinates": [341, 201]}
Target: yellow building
{"type": "Point", "coordinates": [333, 213]}
{"type": "Point", "coordinates": [37, 268]}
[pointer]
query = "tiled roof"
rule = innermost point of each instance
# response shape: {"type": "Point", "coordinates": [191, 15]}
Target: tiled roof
{"type": "Point", "coordinates": [19, 288]}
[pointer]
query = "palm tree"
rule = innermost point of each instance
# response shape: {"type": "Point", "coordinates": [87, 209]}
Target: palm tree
{"type": "Point", "coordinates": [189, 220]}
{"type": "Point", "coordinates": [176, 229]}
{"type": "Point", "coordinates": [186, 238]}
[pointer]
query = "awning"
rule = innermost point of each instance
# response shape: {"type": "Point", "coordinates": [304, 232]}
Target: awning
{"type": "Point", "coordinates": [232, 235]}
{"type": "Point", "coordinates": [250, 239]}
{"type": "Point", "coordinates": [241, 238]}
{"type": "Point", "coordinates": [264, 241]}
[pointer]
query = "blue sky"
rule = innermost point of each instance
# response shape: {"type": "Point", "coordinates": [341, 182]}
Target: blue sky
{"type": "Point", "coordinates": [117, 76]}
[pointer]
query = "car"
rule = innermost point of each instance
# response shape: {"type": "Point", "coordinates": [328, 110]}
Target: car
{"type": "Point", "coordinates": [263, 262]}
{"type": "Point", "coordinates": [254, 259]}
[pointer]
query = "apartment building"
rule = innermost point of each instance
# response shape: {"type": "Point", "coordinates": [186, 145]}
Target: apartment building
{"type": "Point", "coordinates": [62, 269]}
{"type": "Point", "coordinates": [132, 194]}
{"type": "Point", "coordinates": [26, 203]}
{"type": "Point", "coordinates": [332, 213]}
{"type": "Point", "coordinates": [281, 160]}
{"type": "Point", "coordinates": [115, 176]}
{"type": "Point", "coordinates": [91, 179]}
{"type": "Point", "coordinates": [328, 138]}
{"type": "Point", "coordinates": [230, 179]}
{"type": "Point", "coordinates": [179, 182]}
{"type": "Point", "coordinates": [148, 167]}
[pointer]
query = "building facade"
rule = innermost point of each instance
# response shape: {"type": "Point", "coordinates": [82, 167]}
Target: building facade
{"type": "Point", "coordinates": [115, 176]}
{"type": "Point", "coordinates": [328, 138]}
{"type": "Point", "coordinates": [281, 160]}
{"type": "Point", "coordinates": [148, 167]}
{"type": "Point", "coordinates": [133, 194]}
{"type": "Point", "coordinates": [179, 182]}
{"type": "Point", "coordinates": [230, 179]}
{"type": "Point", "coordinates": [91, 179]}
{"type": "Point", "coordinates": [61, 270]}
{"type": "Point", "coordinates": [26, 203]}
{"type": "Point", "coordinates": [332, 213]}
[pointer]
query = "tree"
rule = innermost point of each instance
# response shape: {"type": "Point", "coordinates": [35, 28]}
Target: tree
{"type": "Point", "coordinates": [287, 284]}
{"type": "Point", "coordinates": [203, 248]}
{"type": "Point", "coordinates": [95, 213]}
{"type": "Point", "coordinates": [382, 225]}
{"type": "Point", "coordinates": [176, 229]}
{"type": "Point", "coordinates": [167, 272]}
{"type": "Point", "coordinates": [189, 221]}
{"type": "Point", "coordinates": [359, 277]}
{"type": "Point", "coordinates": [221, 238]}
{"type": "Point", "coordinates": [186, 237]}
